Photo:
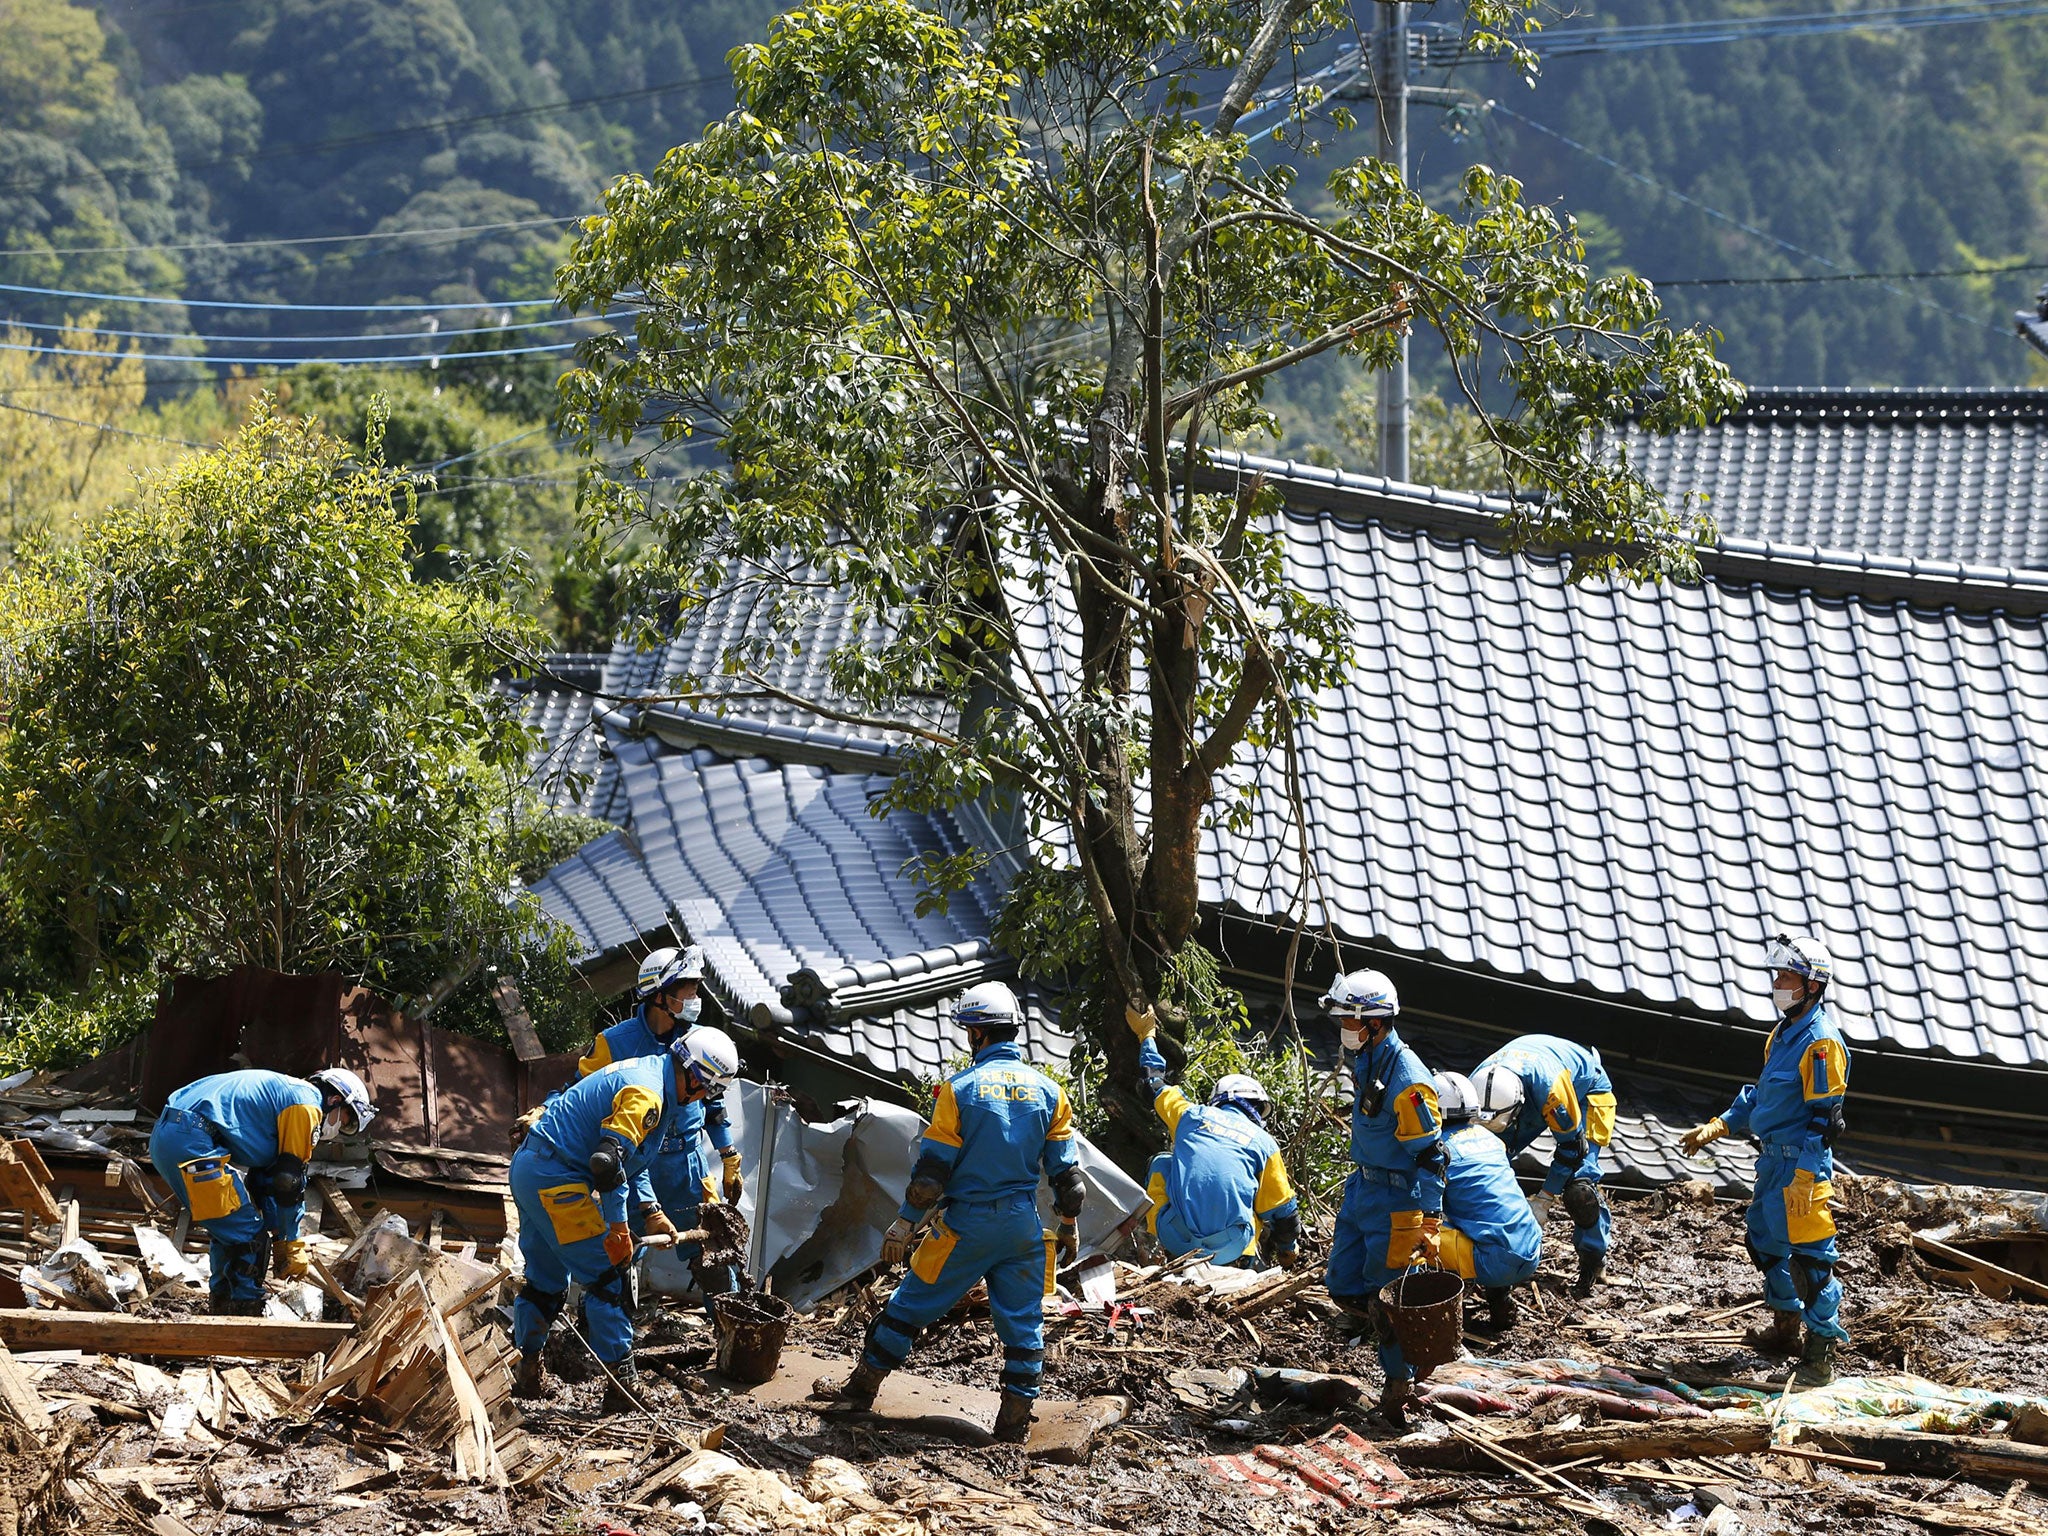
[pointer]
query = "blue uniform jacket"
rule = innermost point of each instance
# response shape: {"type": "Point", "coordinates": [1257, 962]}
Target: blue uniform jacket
{"type": "Point", "coordinates": [1395, 1126]}
{"type": "Point", "coordinates": [994, 1127]}
{"type": "Point", "coordinates": [632, 1038]}
{"type": "Point", "coordinates": [1805, 1075]}
{"type": "Point", "coordinates": [1481, 1198]}
{"type": "Point", "coordinates": [625, 1104]}
{"type": "Point", "coordinates": [1225, 1171]}
{"type": "Point", "coordinates": [261, 1116]}
{"type": "Point", "coordinates": [1559, 1077]}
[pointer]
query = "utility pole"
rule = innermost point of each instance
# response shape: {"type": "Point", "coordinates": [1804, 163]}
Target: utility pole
{"type": "Point", "coordinates": [1390, 102]}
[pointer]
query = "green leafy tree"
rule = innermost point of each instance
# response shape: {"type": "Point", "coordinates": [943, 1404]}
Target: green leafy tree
{"type": "Point", "coordinates": [238, 731]}
{"type": "Point", "coordinates": [962, 291]}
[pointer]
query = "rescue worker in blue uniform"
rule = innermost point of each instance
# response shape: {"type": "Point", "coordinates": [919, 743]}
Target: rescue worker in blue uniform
{"type": "Point", "coordinates": [590, 1150]}
{"type": "Point", "coordinates": [668, 988]}
{"type": "Point", "coordinates": [1392, 1213]}
{"type": "Point", "coordinates": [994, 1128]}
{"type": "Point", "coordinates": [1793, 1111]}
{"type": "Point", "coordinates": [1223, 1186]}
{"type": "Point", "coordinates": [1490, 1235]}
{"type": "Point", "coordinates": [1540, 1083]}
{"type": "Point", "coordinates": [267, 1123]}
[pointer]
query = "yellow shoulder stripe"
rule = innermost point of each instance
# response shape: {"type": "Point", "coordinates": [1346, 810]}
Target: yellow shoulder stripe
{"type": "Point", "coordinates": [600, 1056]}
{"type": "Point", "coordinates": [945, 1126]}
{"type": "Point", "coordinates": [1062, 1128]}
{"type": "Point", "coordinates": [296, 1128]}
{"type": "Point", "coordinates": [635, 1112]}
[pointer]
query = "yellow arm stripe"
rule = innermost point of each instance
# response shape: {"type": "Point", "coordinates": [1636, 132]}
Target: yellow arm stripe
{"type": "Point", "coordinates": [1825, 1072]}
{"type": "Point", "coordinates": [296, 1128]}
{"type": "Point", "coordinates": [1062, 1127]}
{"type": "Point", "coordinates": [945, 1126]}
{"type": "Point", "coordinates": [635, 1112]}
{"type": "Point", "coordinates": [1416, 1114]}
{"type": "Point", "coordinates": [1275, 1188]}
{"type": "Point", "coordinates": [600, 1056]}
{"type": "Point", "coordinates": [1170, 1106]}
{"type": "Point", "coordinates": [1561, 1109]}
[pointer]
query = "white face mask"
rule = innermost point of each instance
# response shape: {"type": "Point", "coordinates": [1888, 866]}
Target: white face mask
{"type": "Point", "coordinates": [1354, 1036]}
{"type": "Point", "coordinates": [1785, 999]}
{"type": "Point", "coordinates": [331, 1124]}
{"type": "Point", "coordinates": [689, 1008]}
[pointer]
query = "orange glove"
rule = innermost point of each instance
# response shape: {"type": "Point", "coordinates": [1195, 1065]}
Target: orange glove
{"type": "Point", "coordinates": [1427, 1238]}
{"type": "Point", "coordinates": [654, 1222]}
{"type": "Point", "coordinates": [618, 1243]}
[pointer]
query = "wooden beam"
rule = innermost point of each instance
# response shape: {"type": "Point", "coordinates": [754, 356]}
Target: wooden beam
{"type": "Point", "coordinates": [1910, 1452]}
{"type": "Point", "coordinates": [2011, 1277]}
{"type": "Point", "coordinates": [1610, 1442]}
{"type": "Point", "coordinates": [25, 1182]}
{"type": "Point", "coordinates": [338, 1202]}
{"type": "Point", "coordinates": [188, 1338]}
{"type": "Point", "coordinates": [518, 1022]}
{"type": "Point", "coordinates": [18, 1397]}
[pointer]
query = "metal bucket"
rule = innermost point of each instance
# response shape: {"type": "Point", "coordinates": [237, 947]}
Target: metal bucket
{"type": "Point", "coordinates": [751, 1329]}
{"type": "Point", "coordinates": [1425, 1309]}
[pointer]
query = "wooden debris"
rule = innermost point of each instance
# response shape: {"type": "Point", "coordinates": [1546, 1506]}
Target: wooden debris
{"type": "Point", "coordinates": [1609, 1442]}
{"type": "Point", "coordinates": [1982, 1269]}
{"type": "Point", "coordinates": [25, 1181]}
{"type": "Point", "coordinates": [338, 1202]}
{"type": "Point", "coordinates": [1267, 1295]}
{"type": "Point", "coordinates": [1912, 1452]}
{"type": "Point", "coordinates": [518, 1022]}
{"type": "Point", "coordinates": [185, 1338]}
{"type": "Point", "coordinates": [18, 1397]}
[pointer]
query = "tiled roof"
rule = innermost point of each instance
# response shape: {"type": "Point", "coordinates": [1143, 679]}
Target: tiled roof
{"type": "Point", "coordinates": [1623, 791]}
{"type": "Point", "coordinates": [1956, 475]}
{"type": "Point", "coordinates": [776, 869]}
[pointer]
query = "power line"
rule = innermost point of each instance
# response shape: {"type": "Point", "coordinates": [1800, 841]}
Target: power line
{"type": "Point", "coordinates": [322, 309]}
{"type": "Point", "coordinates": [100, 426]}
{"type": "Point", "coordinates": [255, 340]}
{"type": "Point", "coordinates": [237, 245]}
{"type": "Point", "coordinates": [1848, 277]}
{"type": "Point", "coordinates": [272, 362]}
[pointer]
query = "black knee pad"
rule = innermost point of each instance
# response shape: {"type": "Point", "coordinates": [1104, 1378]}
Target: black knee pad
{"type": "Point", "coordinates": [1809, 1277]}
{"type": "Point", "coordinates": [1757, 1257]}
{"type": "Point", "coordinates": [1023, 1356]}
{"type": "Point", "coordinates": [547, 1303]}
{"type": "Point", "coordinates": [1582, 1203]}
{"type": "Point", "coordinates": [611, 1287]}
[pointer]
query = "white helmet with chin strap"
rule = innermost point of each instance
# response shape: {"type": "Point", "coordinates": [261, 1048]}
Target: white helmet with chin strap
{"type": "Point", "coordinates": [1498, 1093]}
{"type": "Point", "coordinates": [1362, 995]}
{"type": "Point", "coordinates": [1242, 1087]}
{"type": "Point", "coordinates": [350, 1089]}
{"type": "Point", "coordinates": [988, 1005]}
{"type": "Point", "coordinates": [1802, 955]}
{"type": "Point", "coordinates": [663, 968]}
{"type": "Point", "coordinates": [1456, 1099]}
{"type": "Point", "coordinates": [708, 1058]}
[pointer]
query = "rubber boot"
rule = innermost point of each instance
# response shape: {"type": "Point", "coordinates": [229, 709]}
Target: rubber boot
{"type": "Point", "coordinates": [528, 1380]}
{"type": "Point", "coordinates": [1780, 1336]}
{"type": "Point", "coordinates": [1816, 1360]}
{"type": "Point", "coordinates": [1013, 1417]}
{"type": "Point", "coordinates": [622, 1389]}
{"type": "Point", "coordinates": [1501, 1311]}
{"type": "Point", "coordinates": [1591, 1267]}
{"type": "Point", "coordinates": [1395, 1397]}
{"type": "Point", "coordinates": [856, 1394]}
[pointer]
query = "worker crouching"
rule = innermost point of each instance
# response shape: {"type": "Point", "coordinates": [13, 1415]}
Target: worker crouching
{"type": "Point", "coordinates": [1223, 1185]}
{"type": "Point", "coordinates": [587, 1155]}
{"type": "Point", "coordinates": [269, 1124]}
{"type": "Point", "coordinates": [1393, 1201]}
{"type": "Point", "coordinates": [1490, 1235]}
{"type": "Point", "coordinates": [1793, 1111]}
{"type": "Point", "coordinates": [994, 1128]}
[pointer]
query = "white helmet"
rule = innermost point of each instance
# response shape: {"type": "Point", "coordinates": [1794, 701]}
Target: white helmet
{"type": "Point", "coordinates": [1456, 1098]}
{"type": "Point", "coordinates": [1243, 1087]}
{"type": "Point", "coordinates": [1362, 995]}
{"type": "Point", "coordinates": [1802, 955]}
{"type": "Point", "coordinates": [709, 1057]}
{"type": "Point", "coordinates": [1497, 1095]}
{"type": "Point", "coordinates": [665, 967]}
{"type": "Point", "coordinates": [349, 1088]}
{"type": "Point", "coordinates": [990, 1005]}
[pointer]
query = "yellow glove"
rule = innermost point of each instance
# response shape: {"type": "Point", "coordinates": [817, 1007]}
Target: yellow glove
{"type": "Point", "coordinates": [897, 1241]}
{"type": "Point", "coordinates": [288, 1258]}
{"type": "Point", "coordinates": [732, 1177]}
{"type": "Point", "coordinates": [1799, 1194]}
{"type": "Point", "coordinates": [618, 1243]}
{"type": "Point", "coordinates": [1700, 1135]}
{"type": "Point", "coordinates": [1066, 1244]}
{"type": "Point", "coordinates": [1427, 1238]}
{"type": "Point", "coordinates": [1143, 1025]}
{"type": "Point", "coordinates": [654, 1221]}
{"type": "Point", "coordinates": [523, 1126]}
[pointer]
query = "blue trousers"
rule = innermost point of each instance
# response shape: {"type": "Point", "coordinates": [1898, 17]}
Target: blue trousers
{"type": "Point", "coordinates": [1590, 1241]}
{"type": "Point", "coordinates": [1360, 1248]}
{"type": "Point", "coordinates": [1000, 1241]}
{"type": "Point", "coordinates": [1797, 1253]}
{"type": "Point", "coordinates": [1177, 1237]}
{"type": "Point", "coordinates": [193, 1159]}
{"type": "Point", "coordinates": [561, 1237]}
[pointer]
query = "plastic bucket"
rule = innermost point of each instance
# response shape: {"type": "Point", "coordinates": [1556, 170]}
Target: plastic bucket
{"type": "Point", "coordinates": [1425, 1309]}
{"type": "Point", "coordinates": [751, 1329]}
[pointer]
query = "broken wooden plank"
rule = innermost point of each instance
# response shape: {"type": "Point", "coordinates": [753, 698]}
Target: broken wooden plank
{"type": "Point", "coordinates": [25, 1181]}
{"type": "Point", "coordinates": [518, 1022]}
{"type": "Point", "coordinates": [186, 1338]}
{"type": "Point", "coordinates": [1911, 1452]}
{"type": "Point", "coordinates": [338, 1202]}
{"type": "Point", "coordinates": [18, 1396]}
{"type": "Point", "coordinates": [1609, 1442]}
{"type": "Point", "coordinates": [2011, 1277]}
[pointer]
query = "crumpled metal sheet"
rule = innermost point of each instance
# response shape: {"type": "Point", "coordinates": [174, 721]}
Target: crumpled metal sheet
{"type": "Point", "coordinates": [831, 1191]}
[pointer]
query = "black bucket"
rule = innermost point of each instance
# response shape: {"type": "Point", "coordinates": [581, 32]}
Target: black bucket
{"type": "Point", "coordinates": [1425, 1307]}
{"type": "Point", "coordinates": [751, 1329]}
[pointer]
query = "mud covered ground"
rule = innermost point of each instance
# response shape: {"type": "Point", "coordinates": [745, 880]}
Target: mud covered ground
{"type": "Point", "coordinates": [1676, 1265]}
